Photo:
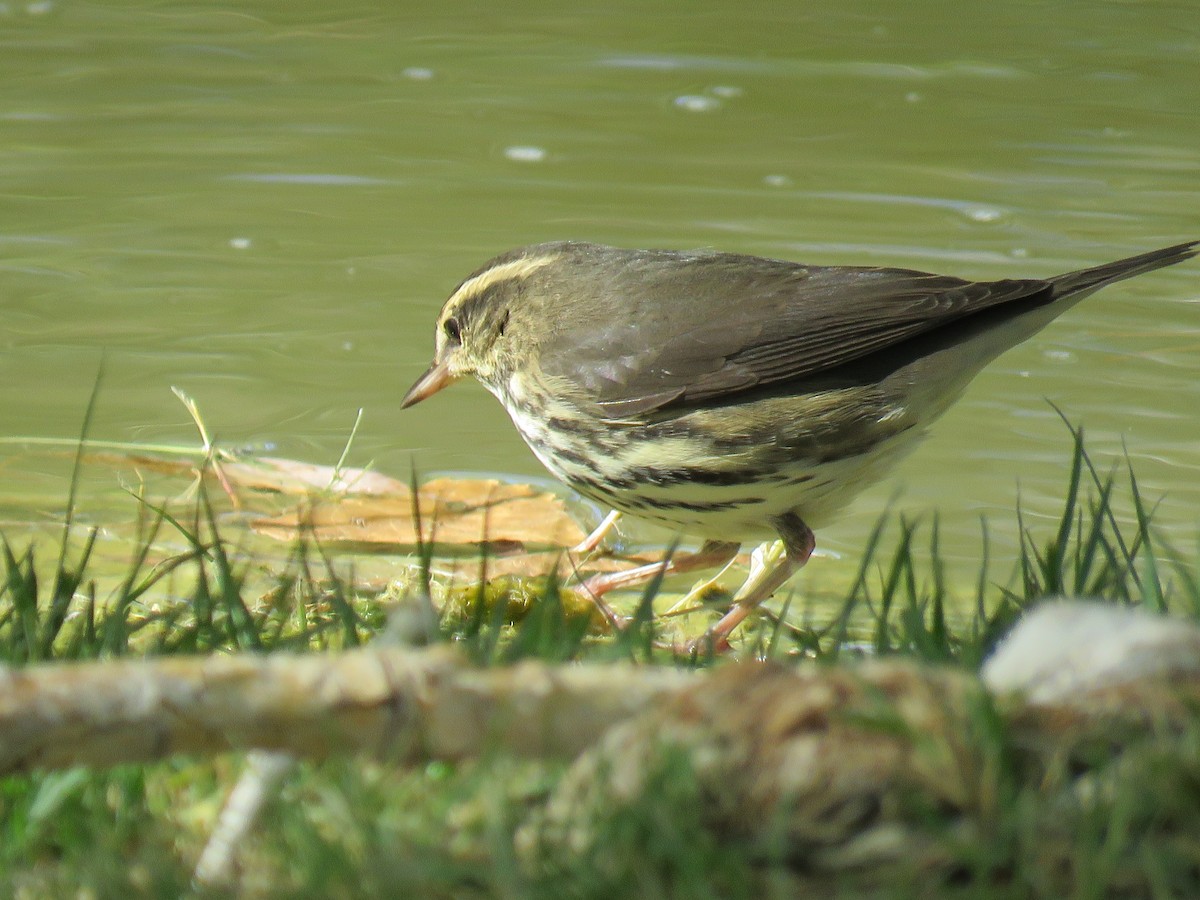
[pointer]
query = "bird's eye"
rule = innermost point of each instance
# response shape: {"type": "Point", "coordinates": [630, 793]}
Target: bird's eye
{"type": "Point", "coordinates": [453, 330]}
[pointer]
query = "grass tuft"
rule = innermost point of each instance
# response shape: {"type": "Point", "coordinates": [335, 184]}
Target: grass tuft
{"type": "Point", "coordinates": [347, 828]}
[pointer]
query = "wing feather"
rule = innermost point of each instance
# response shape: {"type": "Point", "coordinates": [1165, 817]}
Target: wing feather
{"type": "Point", "coordinates": [659, 329]}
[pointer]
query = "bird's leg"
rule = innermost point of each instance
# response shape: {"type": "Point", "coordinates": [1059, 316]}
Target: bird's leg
{"type": "Point", "coordinates": [798, 543]}
{"type": "Point", "coordinates": [696, 597]}
{"type": "Point", "coordinates": [592, 541]}
{"type": "Point", "coordinates": [710, 555]}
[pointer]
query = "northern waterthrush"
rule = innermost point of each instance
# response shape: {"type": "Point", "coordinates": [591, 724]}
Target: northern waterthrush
{"type": "Point", "coordinates": [730, 396]}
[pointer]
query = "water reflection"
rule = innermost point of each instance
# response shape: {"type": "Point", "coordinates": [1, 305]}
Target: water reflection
{"type": "Point", "coordinates": [266, 205]}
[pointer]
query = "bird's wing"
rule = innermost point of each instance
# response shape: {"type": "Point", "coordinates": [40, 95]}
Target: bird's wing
{"type": "Point", "coordinates": [673, 329]}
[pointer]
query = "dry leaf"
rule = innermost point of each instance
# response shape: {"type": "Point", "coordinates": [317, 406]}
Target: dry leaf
{"type": "Point", "coordinates": [463, 512]}
{"type": "Point", "coordinates": [287, 476]}
{"type": "Point", "coordinates": [265, 473]}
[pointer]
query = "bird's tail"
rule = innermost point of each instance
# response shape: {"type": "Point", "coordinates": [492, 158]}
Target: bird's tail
{"type": "Point", "coordinates": [936, 378]}
{"type": "Point", "coordinates": [1098, 276]}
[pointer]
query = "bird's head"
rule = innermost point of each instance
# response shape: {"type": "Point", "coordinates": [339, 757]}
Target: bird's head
{"type": "Point", "coordinates": [473, 335]}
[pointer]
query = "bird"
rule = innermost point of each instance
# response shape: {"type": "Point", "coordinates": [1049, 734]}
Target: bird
{"type": "Point", "coordinates": [727, 396]}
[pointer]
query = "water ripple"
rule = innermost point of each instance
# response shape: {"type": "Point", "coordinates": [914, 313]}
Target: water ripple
{"type": "Point", "coordinates": [322, 178]}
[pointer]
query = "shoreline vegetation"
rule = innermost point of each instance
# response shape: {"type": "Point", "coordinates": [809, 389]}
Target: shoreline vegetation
{"type": "Point", "coordinates": [476, 731]}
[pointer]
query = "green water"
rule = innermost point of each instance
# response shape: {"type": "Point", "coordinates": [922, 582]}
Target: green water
{"type": "Point", "coordinates": [266, 203]}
